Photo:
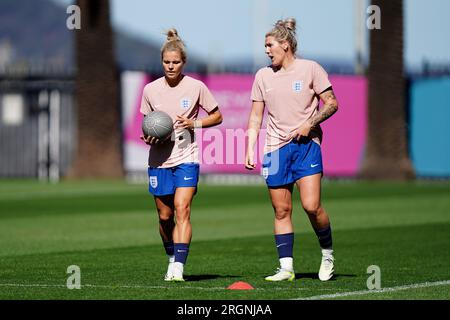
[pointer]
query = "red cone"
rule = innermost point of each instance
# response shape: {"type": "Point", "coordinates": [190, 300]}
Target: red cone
{"type": "Point", "coordinates": [240, 285]}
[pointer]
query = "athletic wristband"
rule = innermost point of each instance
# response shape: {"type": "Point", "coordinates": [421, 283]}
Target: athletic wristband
{"type": "Point", "coordinates": [197, 124]}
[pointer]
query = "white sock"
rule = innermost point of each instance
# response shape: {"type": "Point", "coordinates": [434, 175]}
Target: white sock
{"type": "Point", "coordinates": [327, 252]}
{"type": "Point", "coordinates": [179, 266]}
{"type": "Point", "coordinates": [287, 263]}
{"type": "Point", "coordinates": [172, 259]}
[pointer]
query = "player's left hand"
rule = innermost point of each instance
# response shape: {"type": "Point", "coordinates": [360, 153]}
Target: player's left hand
{"type": "Point", "coordinates": [151, 141]}
{"type": "Point", "coordinates": [184, 123]}
{"type": "Point", "coordinates": [303, 131]}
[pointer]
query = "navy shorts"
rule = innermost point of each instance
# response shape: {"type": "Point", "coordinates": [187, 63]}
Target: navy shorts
{"type": "Point", "coordinates": [291, 162]}
{"type": "Point", "coordinates": [164, 181]}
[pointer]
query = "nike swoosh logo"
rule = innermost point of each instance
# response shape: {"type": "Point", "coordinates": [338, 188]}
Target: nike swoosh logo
{"type": "Point", "coordinates": [181, 250]}
{"type": "Point", "coordinates": [185, 178]}
{"type": "Point", "coordinates": [314, 165]}
{"type": "Point", "coordinates": [283, 244]}
{"type": "Point", "coordinates": [270, 89]}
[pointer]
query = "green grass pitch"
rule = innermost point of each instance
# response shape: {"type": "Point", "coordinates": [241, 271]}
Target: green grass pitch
{"type": "Point", "coordinates": [109, 229]}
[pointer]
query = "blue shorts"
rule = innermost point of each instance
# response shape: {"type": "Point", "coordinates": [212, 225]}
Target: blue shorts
{"type": "Point", "coordinates": [291, 162]}
{"type": "Point", "coordinates": [164, 181]}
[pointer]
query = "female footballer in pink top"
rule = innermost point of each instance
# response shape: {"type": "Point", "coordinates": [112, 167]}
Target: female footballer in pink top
{"type": "Point", "coordinates": [174, 164]}
{"type": "Point", "coordinates": [291, 89]}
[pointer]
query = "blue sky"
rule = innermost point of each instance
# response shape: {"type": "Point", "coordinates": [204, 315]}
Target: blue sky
{"type": "Point", "coordinates": [232, 29]}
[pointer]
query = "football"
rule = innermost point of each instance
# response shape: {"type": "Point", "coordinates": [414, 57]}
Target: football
{"type": "Point", "coordinates": [157, 124]}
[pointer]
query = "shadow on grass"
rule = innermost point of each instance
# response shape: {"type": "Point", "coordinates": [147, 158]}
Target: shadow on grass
{"type": "Point", "coordinates": [311, 275]}
{"type": "Point", "coordinates": [201, 277]}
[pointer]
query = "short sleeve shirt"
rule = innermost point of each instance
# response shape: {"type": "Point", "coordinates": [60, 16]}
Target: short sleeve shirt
{"type": "Point", "coordinates": [185, 100]}
{"type": "Point", "coordinates": [291, 97]}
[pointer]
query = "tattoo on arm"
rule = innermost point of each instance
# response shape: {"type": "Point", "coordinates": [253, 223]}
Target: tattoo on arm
{"type": "Point", "coordinates": [329, 108]}
{"type": "Point", "coordinates": [329, 94]}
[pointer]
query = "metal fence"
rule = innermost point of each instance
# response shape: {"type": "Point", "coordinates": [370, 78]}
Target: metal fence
{"type": "Point", "coordinates": [37, 126]}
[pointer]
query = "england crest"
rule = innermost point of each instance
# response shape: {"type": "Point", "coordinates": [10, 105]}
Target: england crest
{"type": "Point", "coordinates": [185, 103]}
{"type": "Point", "coordinates": [297, 86]}
{"type": "Point", "coordinates": [265, 172]}
{"type": "Point", "coordinates": [153, 181]}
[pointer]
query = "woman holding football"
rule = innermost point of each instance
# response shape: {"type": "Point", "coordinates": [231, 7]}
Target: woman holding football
{"type": "Point", "coordinates": [173, 165]}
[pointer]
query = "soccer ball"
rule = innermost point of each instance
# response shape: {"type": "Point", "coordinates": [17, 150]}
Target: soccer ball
{"type": "Point", "coordinates": [157, 124]}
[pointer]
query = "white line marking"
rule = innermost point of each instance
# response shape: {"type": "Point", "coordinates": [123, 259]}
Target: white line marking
{"type": "Point", "coordinates": [384, 290]}
{"type": "Point", "coordinates": [319, 297]}
{"type": "Point", "coordinates": [175, 286]}
{"type": "Point", "coordinates": [36, 285]}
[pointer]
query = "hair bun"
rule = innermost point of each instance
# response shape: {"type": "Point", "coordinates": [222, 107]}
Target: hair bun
{"type": "Point", "coordinates": [289, 24]}
{"type": "Point", "coordinates": [172, 34]}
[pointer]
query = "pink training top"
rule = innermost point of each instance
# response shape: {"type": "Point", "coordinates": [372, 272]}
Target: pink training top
{"type": "Point", "coordinates": [184, 100]}
{"type": "Point", "coordinates": [291, 97]}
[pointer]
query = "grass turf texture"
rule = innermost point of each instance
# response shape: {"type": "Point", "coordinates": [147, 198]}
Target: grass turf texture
{"type": "Point", "coordinates": [109, 229]}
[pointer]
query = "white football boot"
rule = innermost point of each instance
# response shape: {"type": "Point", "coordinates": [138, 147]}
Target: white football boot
{"type": "Point", "coordinates": [326, 270]}
{"type": "Point", "coordinates": [169, 273]}
{"type": "Point", "coordinates": [282, 275]}
{"type": "Point", "coordinates": [177, 272]}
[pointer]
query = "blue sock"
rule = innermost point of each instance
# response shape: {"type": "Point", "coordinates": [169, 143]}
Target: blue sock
{"type": "Point", "coordinates": [324, 236]}
{"type": "Point", "coordinates": [169, 247]}
{"type": "Point", "coordinates": [181, 252]}
{"type": "Point", "coordinates": [285, 244]}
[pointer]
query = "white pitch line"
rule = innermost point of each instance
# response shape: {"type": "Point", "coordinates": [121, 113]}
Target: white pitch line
{"type": "Point", "coordinates": [31, 285]}
{"type": "Point", "coordinates": [175, 286]}
{"type": "Point", "coordinates": [384, 290]}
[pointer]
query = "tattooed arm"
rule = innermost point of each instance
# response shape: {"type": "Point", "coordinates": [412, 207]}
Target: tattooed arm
{"type": "Point", "coordinates": [329, 108]}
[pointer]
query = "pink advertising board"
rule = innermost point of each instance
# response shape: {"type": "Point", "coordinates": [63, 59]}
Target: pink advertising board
{"type": "Point", "coordinates": [222, 149]}
{"type": "Point", "coordinates": [344, 134]}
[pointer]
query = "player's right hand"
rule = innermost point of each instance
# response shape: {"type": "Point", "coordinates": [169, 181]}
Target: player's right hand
{"type": "Point", "coordinates": [249, 163]}
{"type": "Point", "coordinates": [149, 140]}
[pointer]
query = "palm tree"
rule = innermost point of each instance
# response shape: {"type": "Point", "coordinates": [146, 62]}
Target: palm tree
{"type": "Point", "coordinates": [387, 144]}
{"type": "Point", "coordinates": [99, 151]}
